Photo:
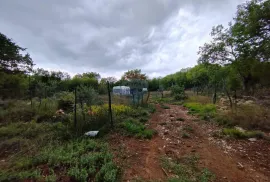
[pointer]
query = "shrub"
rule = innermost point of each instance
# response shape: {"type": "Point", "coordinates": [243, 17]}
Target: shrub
{"type": "Point", "coordinates": [178, 92]}
{"type": "Point", "coordinates": [65, 101]}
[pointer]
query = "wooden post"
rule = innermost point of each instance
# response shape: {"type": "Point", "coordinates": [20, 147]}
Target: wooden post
{"type": "Point", "coordinates": [110, 104]}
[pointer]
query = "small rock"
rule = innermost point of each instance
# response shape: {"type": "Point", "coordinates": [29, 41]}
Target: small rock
{"type": "Point", "coordinates": [240, 129]}
{"type": "Point", "coordinates": [252, 139]}
{"type": "Point", "coordinates": [193, 150]}
{"type": "Point", "coordinates": [166, 132]}
{"type": "Point", "coordinates": [240, 166]}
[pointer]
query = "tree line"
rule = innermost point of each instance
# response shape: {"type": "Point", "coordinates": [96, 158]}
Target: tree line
{"type": "Point", "coordinates": [237, 59]}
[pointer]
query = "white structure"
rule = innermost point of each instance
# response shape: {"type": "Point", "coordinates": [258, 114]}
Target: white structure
{"type": "Point", "coordinates": [144, 90]}
{"type": "Point", "coordinates": [121, 90]}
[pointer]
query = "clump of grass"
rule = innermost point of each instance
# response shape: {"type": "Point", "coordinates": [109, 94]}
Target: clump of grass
{"type": "Point", "coordinates": [135, 128]}
{"type": "Point", "coordinates": [185, 135]}
{"type": "Point", "coordinates": [180, 119]}
{"type": "Point", "coordinates": [205, 111]}
{"type": "Point", "coordinates": [164, 106]}
{"type": "Point", "coordinates": [151, 108]}
{"type": "Point", "coordinates": [233, 132]}
{"type": "Point", "coordinates": [186, 169]}
{"type": "Point", "coordinates": [188, 128]}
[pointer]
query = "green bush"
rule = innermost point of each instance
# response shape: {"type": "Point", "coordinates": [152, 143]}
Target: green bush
{"type": "Point", "coordinates": [178, 92]}
{"type": "Point", "coordinates": [65, 105]}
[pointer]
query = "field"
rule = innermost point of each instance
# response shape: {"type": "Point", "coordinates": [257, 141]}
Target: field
{"type": "Point", "coordinates": [162, 140]}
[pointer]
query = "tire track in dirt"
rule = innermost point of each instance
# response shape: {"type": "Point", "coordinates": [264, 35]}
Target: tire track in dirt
{"type": "Point", "coordinates": [143, 155]}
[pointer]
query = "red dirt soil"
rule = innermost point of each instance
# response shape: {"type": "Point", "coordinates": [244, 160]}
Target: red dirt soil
{"type": "Point", "coordinates": [230, 160]}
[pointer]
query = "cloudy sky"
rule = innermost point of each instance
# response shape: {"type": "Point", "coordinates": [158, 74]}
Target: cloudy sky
{"type": "Point", "coordinates": [113, 36]}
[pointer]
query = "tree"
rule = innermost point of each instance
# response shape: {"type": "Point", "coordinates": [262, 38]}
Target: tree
{"type": "Point", "coordinates": [92, 75]}
{"type": "Point", "coordinates": [244, 44]}
{"type": "Point", "coordinates": [111, 79]}
{"type": "Point", "coordinates": [134, 74]}
{"type": "Point", "coordinates": [251, 28]}
{"type": "Point", "coordinates": [11, 59]}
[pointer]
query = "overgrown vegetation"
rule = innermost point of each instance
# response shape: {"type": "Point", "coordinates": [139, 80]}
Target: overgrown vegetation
{"type": "Point", "coordinates": [205, 111]}
{"type": "Point", "coordinates": [236, 133]}
{"type": "Point", "coordinates": [80, 159]}
{"type": "Point", "coordinates": [186, 169]}
{"type": "Point", "coordinates": [136, 128]}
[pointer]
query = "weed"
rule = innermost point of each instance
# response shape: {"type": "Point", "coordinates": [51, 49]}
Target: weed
{"type": "Point", "coordinates": [206, 176]}
{"type": "Point", "coordinates": [143, 119]}
{"type": "Point", "coordinates": [152, 109]}
{"type": "Point", "coordinates": [206, 111]}
{"type": "Point", "coordinates": [51, 178]}
{"type": "Point", "coordinates": [188, 129]}
{"type": "Point", "coordinates": [185, 135]}
{"type": "Point", "coordinates": [186, 169]}
{"type": "Point", "coordinates": [84, 159]}
{"type": "Point", "coordinates": [233, 132]}
{"type": "Point", "coordinates": [136, 128]}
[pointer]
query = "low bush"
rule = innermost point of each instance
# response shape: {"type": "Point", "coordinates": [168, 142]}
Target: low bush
{"type": "Point", "coordinates": [178, 92]}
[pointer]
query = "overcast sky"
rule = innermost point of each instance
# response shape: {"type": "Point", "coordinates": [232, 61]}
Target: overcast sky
{"type": "Point", "coordinates": [113, 36]}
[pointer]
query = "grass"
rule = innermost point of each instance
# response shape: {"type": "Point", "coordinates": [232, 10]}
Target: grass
{"type": "Point", "coordinates": [205, 111]}
{"type": "Point", "coordinates": [185, 135]}
{"type": "Point", "coordinates": [186, 169]}
{"type": "Point", "coordinates": [136, 128]}
{"type": "Point", "coordinates": [235, 133]}
{"type": "Point", "coordinates": [81, 160]}
{"type": "Point", "coordinates": [188, 129]}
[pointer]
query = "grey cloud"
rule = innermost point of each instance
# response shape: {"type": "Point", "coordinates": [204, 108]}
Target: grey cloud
{"type": "Point", "coordinates": [159, 36]}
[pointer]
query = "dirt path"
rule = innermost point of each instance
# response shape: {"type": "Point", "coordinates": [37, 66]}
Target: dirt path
{"type": "Point", "coordinates": [228, 160]}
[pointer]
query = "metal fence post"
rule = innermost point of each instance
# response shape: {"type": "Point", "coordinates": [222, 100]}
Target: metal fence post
{"type": "Point", "coordinates": [75, 109]}
{"type": "Point", "coordinates": [110, 104]}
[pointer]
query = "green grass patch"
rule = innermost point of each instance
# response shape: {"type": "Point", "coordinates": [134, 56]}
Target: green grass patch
{"type": "Point", "coordinates": [82, 159]}
{"type": "Point", "coordinates": [136, 128]}
{"type": "Point", "coordinates": [205, 111]}
{"type": "Point", "coordinates": [185, 135]}
{"type": "Point", "coordinates": [186, 169]}
{"type": "Point", "coordinates": [235, 133]}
